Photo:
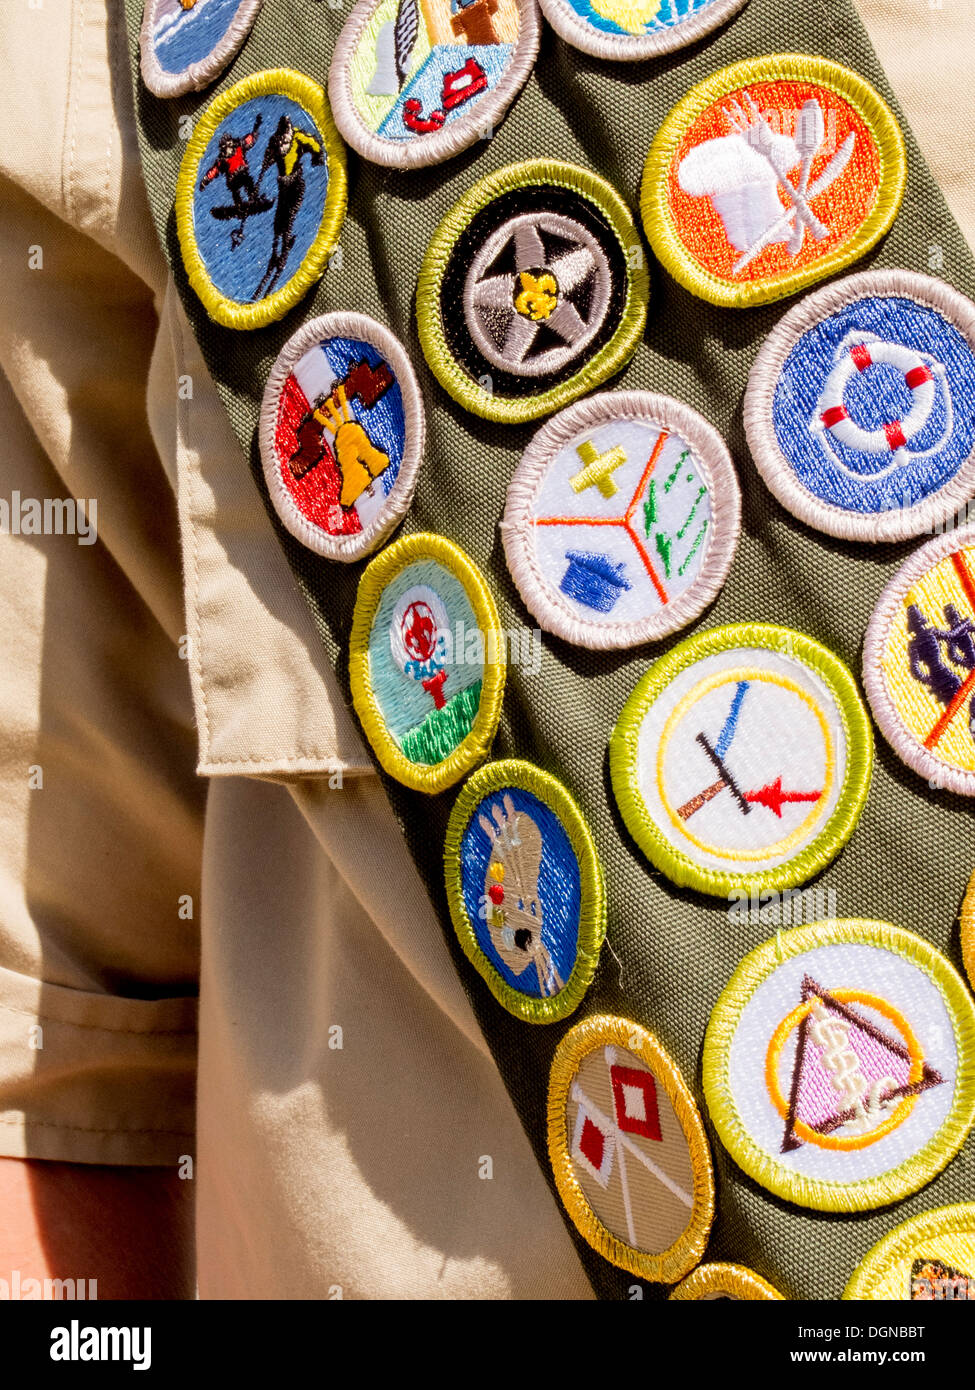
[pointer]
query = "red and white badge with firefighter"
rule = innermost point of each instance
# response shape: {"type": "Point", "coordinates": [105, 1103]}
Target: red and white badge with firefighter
{"type": "Point", "coordinates": [341, 434]}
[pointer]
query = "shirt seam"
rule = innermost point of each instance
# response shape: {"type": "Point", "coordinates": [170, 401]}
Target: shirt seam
{"type": "Point", "coordinates": [102, 1027]}
{"type": "Point", "coordinates": [26, 1122]}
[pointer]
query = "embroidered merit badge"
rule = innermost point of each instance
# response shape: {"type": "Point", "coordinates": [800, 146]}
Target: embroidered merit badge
{"type": "Point", "coordinates": [260, 198]}
{"type": "Point", "coordinates": [622, 519]}
{"type": "Point", "coordinates": [630, 29]}
{"type": "Point", "coordinates": [413, 82]}
{"type": "Point", "coordinates": [628, 1150]}
{"type": "Point", "coordinates": [341, 434]}
{"type": "Point", "coordinates": [426, 662]}
{"type": "Point", "coordinates": [742, 760]}
{"type": "Point", "coordinates": [931, 1257]}
{"type": "Point", "coordinates": [708, 1283]}
{"type": "Point", "coordinates": [839, 1064]}
{"type": "Point", "coordinates": [860, 410]}
{"type": "Point", "coordinates": [532, 292]}
{"type": "Point", "coordinates": [525, 889]}
{"type": "Point", "coordinates": [187, 43]}
{"type": "Point", "coordinates": [773, 174]}
{"type": "Point", "coordinates": [919, 661]}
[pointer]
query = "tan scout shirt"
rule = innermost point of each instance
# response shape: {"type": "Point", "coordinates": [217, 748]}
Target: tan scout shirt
{"type": "Point", "coordinates": [346, 1101]}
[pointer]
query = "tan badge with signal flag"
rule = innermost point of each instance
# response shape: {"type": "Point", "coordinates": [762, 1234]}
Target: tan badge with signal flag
{"type": "Point", "coordinates": [628, 1150]}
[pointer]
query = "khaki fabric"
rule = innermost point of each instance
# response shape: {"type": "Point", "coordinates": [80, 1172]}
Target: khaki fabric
{"type": "Point", "coordinates": [177, 644]}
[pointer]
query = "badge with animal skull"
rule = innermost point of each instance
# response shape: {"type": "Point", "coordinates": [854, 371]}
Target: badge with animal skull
{"type": "Point", "coordinates": [525, 889]}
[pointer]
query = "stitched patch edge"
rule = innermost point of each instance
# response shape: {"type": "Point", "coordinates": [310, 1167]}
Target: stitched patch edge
{"type": "Point", "coordinates": [909, 749]}
{"type": "Point", "coordinates": [734, 1280]}
{"type": "Point", "coordinates": [611, 356]}
{"type": "Point", "coordinates": [624, 751]}
{"type": "Point", "coordinates": [635, 47]}
{"type": "Point", "coordinates": [958, 1219]}
{"type": "Point", "coordinates": [473, 748]}
{"type": "Point", "coordinates": [585, 1037]}
{"type": "Point", "coordinates": [819, 1193]}
{"type": "Point", "coordinates": [308, 94]}
{"type": "Point", "coordinates": [377, 335]}
{"type": "Point", "coordinates": [655, 206]}
{"type": "Point", "coordinates": [455, 137]}
{"type": "Point", "coordinates": [553, 436]}
{"type": "Point", "coordinates": [968, 931]}
{"type": "Point", "coordinates": [195, 76]}
{"type": "Point", "coordinates": [775, 468]}
{"type": "Point", "coordinates": [495, 777]}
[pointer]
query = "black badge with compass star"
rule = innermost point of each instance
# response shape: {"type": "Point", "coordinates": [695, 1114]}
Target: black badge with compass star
{"type": "Point", "coordinates": [533, 290]}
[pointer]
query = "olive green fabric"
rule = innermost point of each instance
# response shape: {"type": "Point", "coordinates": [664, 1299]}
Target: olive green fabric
{"type": "Point", "coordinates": [669, 952]}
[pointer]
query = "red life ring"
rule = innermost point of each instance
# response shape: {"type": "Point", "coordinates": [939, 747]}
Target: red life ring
{"type": "Point", "coordinates": [893, 435]}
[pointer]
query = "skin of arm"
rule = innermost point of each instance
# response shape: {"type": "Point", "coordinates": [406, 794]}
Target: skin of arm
{"type": "Point", "coordinates": [131, 1229]}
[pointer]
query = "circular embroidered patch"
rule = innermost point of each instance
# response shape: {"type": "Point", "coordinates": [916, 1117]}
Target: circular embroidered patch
{"type": "Point", "coordinates": [187, 43]}
{"type": "Point", "coordinates": [341, 434]}
{"type": "Point", "coordinates": [627, 30]}
{"type": "Point", "coordinates": [708, 1283]}
{"type": "Point", "coordinates": [533, 291]}
{"type": "Point", "coordinates": [772, 174]}
{"type": "Point", "coordinates": [919, 661]}
{"type": "Point", "coordinates": [742, 760]}
{"type": "Point", "coordinates": [968, 931]}
{"type": "Point", "coordinates": [622, 519]}
{"type": "Point", "coordinates": [628, 1150]}
{"type": "Point", "coordinates": [930, 1257]}
{"type": "Point", "coordinates": [525, 889]}
{"type": "Point", "coordinates": [414, 82]}
{"type": "Point", "coordinates": [856, 411]}
{"type": "Point", "coordinates": [839, 1064]}
{"type": "Point", "coordinates": [426, 661]}
{"type": "Point", "coordinates": [260, 197]}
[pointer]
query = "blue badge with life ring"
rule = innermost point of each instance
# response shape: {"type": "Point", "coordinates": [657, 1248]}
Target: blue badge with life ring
{"type": "Point", "coordinates": [859, 410]}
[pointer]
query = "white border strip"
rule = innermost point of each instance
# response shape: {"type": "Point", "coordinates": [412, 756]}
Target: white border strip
{"type": "Point", "coordinates": [925, 516]}
{"type": "Point", "coordinates": [628, 48]}
{"type": "Point", "coordinates": [906, 744]}
{"type": "Point", "coordinates": [397, 504]}
{"type": "Point", "coordinates": [456, 135]}
{"type": "Point", "coordinates": [198, 75]}
{"type": "Point", "coordinates": [517, 527]}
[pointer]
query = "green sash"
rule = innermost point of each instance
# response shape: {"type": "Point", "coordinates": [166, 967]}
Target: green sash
{"type": "Point", "coordinates": [672, 951]}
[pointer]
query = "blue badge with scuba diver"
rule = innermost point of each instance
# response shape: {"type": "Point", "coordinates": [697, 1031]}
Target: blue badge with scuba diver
{"type": "Point", "coordinates": [261, 198]}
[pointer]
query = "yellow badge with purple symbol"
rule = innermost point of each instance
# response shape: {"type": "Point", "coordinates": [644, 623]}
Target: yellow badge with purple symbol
{"type": "Point", "coordinates": [919, 661]}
